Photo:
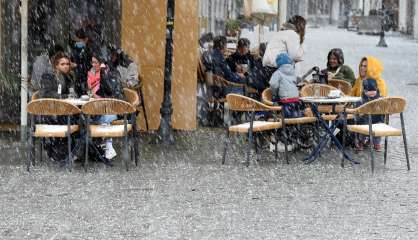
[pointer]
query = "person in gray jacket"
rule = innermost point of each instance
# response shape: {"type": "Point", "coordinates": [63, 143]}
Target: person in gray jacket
{"type": "Point", "coordinates": [283, 84]}
{"type": "Point", "coordinates": [128, 69]}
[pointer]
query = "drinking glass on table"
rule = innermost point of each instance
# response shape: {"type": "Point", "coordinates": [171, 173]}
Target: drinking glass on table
{"type": "Point", "coordinates": [72, 94]}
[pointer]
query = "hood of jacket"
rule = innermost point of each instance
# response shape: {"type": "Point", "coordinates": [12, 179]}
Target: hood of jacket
{"type": "Point", "coordinates": [374, 71]}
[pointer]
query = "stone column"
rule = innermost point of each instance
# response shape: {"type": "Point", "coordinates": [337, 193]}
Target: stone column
{"type": "Point", "coordinates": [1, 35]}
{"type": "Point", "coordinates": [415, 19]}
{"type": "Point", "coordinates": [335, 11]}
{"type": "Point", "coordinates": [403, 15]}
{"type": "Point", "coordinates": [282, 12]}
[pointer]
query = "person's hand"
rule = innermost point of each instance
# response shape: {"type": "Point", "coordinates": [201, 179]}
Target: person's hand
{"type": "Point", "coordinates": [102, 65]}
{"type": "Point", "coordinates": [239, 68]}
{"type": "Point", "coordinates": [73, 65]}
{"type": "Point", "coordinates": [241, 75]}
{"type": "Point", "coordinates": [371, 93]}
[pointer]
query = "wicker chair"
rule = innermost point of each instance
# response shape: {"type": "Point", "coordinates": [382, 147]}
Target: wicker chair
{"type": "Point", "coordinates": [382, 106]}
{"type": "Point", "coordinates": [267, 97]}
{"type": "Point", "coordinates": [50, 107]}
{"type": "Point", "coordinates": [111, 107]}
{"type": "Point", "coordinates": [343, 85]}
{"type": "Point", "coordinates": [241, 103]}
{"type": "Point", "coordinates": [35, 95]}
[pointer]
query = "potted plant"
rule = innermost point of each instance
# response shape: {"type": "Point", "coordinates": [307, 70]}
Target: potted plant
{"type": "Point", "coordinates": [232, 27]}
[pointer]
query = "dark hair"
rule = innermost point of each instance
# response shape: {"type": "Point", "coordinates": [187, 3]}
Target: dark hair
{"type": "Point", "coordinates": [81, 33]}
{"type": "Point", "coordinates": [219, 42]}
{"type": "Point", "coordinates": [262, 49]}
{"type": "Point", "coordinates": [300, 23]}
{"type": "Point", "coordinates": [337, 53]}
{"type": "Point", "coordinates": [54, 50]}
{"type": "Point", "coordinates": [207, 37]}
{"type": "Point", "coordinates": [57, 57]}
{"type": "Point", "coordinates": [243, 42]}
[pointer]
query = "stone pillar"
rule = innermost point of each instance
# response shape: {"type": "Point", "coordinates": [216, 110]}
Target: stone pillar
{"type": "Point", "coordinates": [282, 12]}
{"type": "Point", "coordinates": [1, 35]}
{"type": "Point", "coordinates": [415, 19]}
{"type": "Point", "coordinates": [366, 7]}
{"type": "Point", "coordinates": [335, 11]}
{"type": "Point", "coordinates": [403, 15]}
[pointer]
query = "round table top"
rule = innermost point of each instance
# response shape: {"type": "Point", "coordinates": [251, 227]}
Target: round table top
{"type": "Point", "coordinates": [344, 99]}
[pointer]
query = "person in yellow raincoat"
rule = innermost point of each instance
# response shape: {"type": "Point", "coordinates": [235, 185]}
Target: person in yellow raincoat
{"type": "Point", "coordinates": [369, 85]}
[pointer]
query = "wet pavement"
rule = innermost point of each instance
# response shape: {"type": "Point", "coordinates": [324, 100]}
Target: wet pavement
{"type": "Point", "coordinates": [183, 192]}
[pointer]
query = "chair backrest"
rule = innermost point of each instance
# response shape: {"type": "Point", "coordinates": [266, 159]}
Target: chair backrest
{"type": "Point", "coordinates": [309, 90]}
{"type": "Point", "coordinates": [241, 103]}
{"type": "Point", "coordinates": [131, 96]}
{"type": "Point", "coordinates": [383, 106]}
{"type": "Point", "coordinates": [107, 106]}
{"type": "Point", "coordinates": [267, 96]}
{"type": "Point", "coordinates": [344, 86]}
{"type": "Point", "coordinates": [50, 106]}
{"type": "Point", "coordinates": [35, 95]}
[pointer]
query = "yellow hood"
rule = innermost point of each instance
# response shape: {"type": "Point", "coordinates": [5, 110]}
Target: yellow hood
{"type": "Point", "coordinates": [374, 70]}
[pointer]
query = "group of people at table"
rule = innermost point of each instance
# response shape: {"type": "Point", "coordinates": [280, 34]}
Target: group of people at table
{"type": "Point", "coordinates": [275, 69]}
{"type": "Point", "coordinates": [91, 69]}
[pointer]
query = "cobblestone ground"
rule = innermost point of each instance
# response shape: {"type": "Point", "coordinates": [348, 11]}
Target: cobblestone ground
{"type": "Point", "coordinates": [183, 192]}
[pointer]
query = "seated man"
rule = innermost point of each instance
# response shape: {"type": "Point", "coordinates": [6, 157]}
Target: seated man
{"type": "Point", "coordinates": [241, 60]}
{"type": "Point", "coordinates": [221, 68]}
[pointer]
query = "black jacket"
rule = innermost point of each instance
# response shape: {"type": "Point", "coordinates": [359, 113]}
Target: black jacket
{"type": "Point", "coordinates": [110, 84]}
{"type": "Point", "coordinates": [55, 86]}
{"type": "Point", "coordinates": [81, 57]}
{"type": "Point", "coordinates": [237, 58]}
{"type": "Point", "coordinates": [221, 68]}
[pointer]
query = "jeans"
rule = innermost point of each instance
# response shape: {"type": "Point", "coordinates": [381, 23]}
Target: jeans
{"type": "Point", "coordinates": [107, 119]}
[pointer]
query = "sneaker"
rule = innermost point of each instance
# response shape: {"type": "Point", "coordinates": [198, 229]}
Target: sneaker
{"type": "Point", "coordinates": [359, 147]}
{"type": "Point", "coordinates": [280, 147]}
{"type": "Point", "coordinates": [377, 147]}
{"type": "Point", "coordinates": [110, 153]}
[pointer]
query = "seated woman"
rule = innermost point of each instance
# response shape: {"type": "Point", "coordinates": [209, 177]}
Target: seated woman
{"type": "Point", "coordinates": [336, 68]}
{"type": "Point", "coordinates": [56, 85]}
{"type": "Point", "coordinates": [104, 82]}
{"type": "Point", "coordinates": [369, 85]}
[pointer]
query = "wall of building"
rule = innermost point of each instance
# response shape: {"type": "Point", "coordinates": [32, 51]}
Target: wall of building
{"type": "Point", "coordinates": [415, 19]}
{"type": "Point", "coordinates": [143, 38]}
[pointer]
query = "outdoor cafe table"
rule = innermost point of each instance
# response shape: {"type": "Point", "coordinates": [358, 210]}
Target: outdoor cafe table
{"type": "Point", "coordinates": [314, 102]}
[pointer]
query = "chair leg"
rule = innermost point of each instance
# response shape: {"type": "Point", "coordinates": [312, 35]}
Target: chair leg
{"type": "Point", "coordinates": [70, 157]}
{"type": "Point", "coordinates": [343, 142]}
{"type": "Point", "coordinates": [126, 151]}
{"type": "Point", "coordinates": [30, 153]}
{"type": "Point", "coordinates": [41, 146]}
{"type": "Point", "coordinates": [405, 142]}
{"type": "Point", "coordinates": [250, 138]}
{"type": "Point", "coordinates": [227, 140]}
{"type": "Point", "coordinates": [386, 151]}
{"type": "Point", "coordinates": [371, 143]}
{"type": "Point", "coordinates": [143, 108]}
{"type": "Point", "coordinates": [86, 158]}
{"type": "Point", "coordinates": [276, 154]}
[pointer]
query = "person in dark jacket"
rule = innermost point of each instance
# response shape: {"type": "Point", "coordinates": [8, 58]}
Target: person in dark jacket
{"type": "Point", "coordinates": [241, 59]}
{"type": "Point", "coordinates": [104, 82]}
{"type": "Point", "coordinates": [56, 85]}
{"type": "Point", "coordinates": [336, 68]}
{"type": "Point", "coordinates": [81, 60]}
{"type": "Point", "coordinates": [221, 68]}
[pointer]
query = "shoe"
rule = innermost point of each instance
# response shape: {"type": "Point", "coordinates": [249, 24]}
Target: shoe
{"type": "Point", "coordinates": [110, 153]}
{"type": "Point", "coordinates": [377, 147]}
{"type": "Point", "coordinates": [281, 147]}
{"type": "Point", "coordinates": [359, 147]}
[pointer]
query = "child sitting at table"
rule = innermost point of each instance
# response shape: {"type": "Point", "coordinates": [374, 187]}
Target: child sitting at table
{"type": "Point", "coordinates": [283, 84]}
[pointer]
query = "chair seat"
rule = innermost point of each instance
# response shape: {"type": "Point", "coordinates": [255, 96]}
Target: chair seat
{"type": "Point", "coordinates": [378, 130]}
{"type": "Point", "coordinates": [108, 130]}
{"type": "Point", "coordinates": [60, 131]}
{"type": "Point", "coordinates": [300, 120]}
{"type": "Point", "coordinates": [332, 117]}
{"type": "Point", "coordinates": [258, 126]}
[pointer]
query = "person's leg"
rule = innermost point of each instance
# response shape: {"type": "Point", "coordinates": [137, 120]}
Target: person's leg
{"type": "Point", "coordinates": [107, 120]}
